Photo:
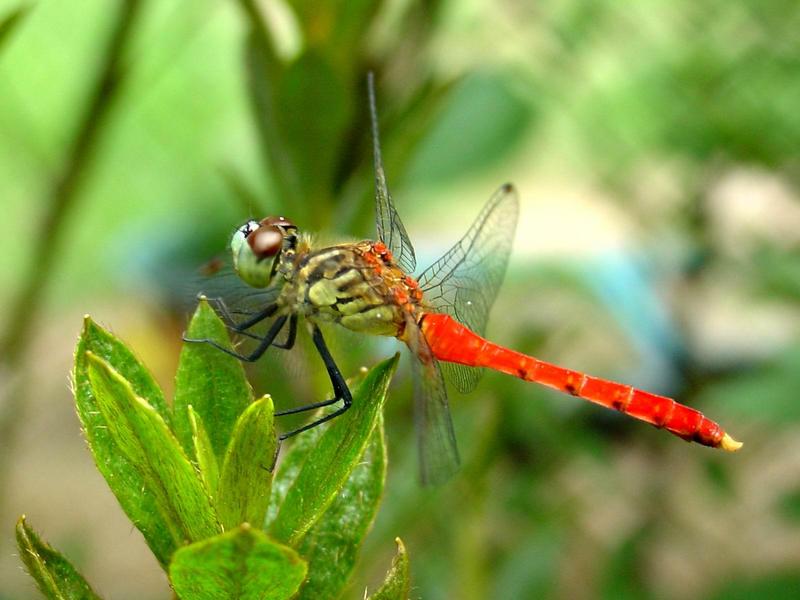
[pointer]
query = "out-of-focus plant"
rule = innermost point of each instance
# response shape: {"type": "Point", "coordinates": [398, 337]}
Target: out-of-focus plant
{"type": "Point", "coordinates": [305, 103]}
{"type": "Point", "coordinates": [63, 191]}
{"type": "Point", "coordinates": [9, 21]}
{"type": "Point", "coordinates": [309, 104]}
{"type": "Point", "coordinates": [646, 106]}
{"type": "Point", "coordinates": [197, 479]}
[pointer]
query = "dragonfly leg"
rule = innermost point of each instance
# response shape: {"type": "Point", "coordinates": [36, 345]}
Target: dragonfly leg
{"type": "Point", "coordinates": [248, 323]}
{"type": "Point", "coordinates": [221, 307]}
{"type": "Point", "coordinates": [290, 338]}
{"type": "Point", "coordinates": [340, 390]}
{"type": "Point", "coordinates": [289, 343]}
{"type": "Point", "coordinates": [265, 343]}
{"type": "Point", "coordinates": [252, 336]}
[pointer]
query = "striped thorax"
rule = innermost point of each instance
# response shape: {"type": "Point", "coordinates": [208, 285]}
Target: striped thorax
{"type": "Point", "coordinates": [356, 285]}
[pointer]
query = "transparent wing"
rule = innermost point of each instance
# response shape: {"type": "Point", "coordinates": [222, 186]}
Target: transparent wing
{"type": "Point", "coordinates": [389, 226]}
{"type": "Point", "coordinates": [464, 282]}
{"type": "Point", "coordinates": [225, 290]}
{"type": "Point", "coordinates": [436, 439]}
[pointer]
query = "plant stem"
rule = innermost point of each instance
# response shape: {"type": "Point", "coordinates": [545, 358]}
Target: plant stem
{"type": "Point", "coordinates": [60, 199]}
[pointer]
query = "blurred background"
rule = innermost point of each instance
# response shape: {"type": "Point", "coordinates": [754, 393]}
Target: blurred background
{"type": "Point", "coordinates": [655, 148]}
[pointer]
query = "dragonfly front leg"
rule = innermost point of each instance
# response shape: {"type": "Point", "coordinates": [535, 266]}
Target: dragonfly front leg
{"type": "Point", "coordinates": [265, 343]}
{"type": "Point", "coordinates": [255, 319]}
{"type": "Point", "coordinates": [289, 343]}
{"type": "Point", "coordinates": [340, 390]}
{"type": "Point", "coordinates": [290, 338]}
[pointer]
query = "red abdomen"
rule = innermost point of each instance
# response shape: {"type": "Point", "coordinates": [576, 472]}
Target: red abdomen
{"type": "Point", "coordinates": [451, 341]}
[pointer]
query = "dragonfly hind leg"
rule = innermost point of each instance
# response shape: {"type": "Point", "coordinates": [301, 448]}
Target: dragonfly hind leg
{"type": "Point", "coordinates": [340, 390]}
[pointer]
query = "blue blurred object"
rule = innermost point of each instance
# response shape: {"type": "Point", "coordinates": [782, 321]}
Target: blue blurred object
{"type": "Point", "coordinates": [626, 285]}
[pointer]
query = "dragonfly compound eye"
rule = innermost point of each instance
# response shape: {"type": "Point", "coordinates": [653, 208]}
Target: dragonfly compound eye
{"type": "Point", "coordinates": [248, 228]}
{"type": "Point", "coordinates": [266, 241]}
{"type": "Point", "coordinates": [278, 221]}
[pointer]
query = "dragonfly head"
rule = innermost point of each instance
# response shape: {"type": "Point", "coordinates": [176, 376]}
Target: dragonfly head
{"type": "Point", "coordinates": [257, 247]}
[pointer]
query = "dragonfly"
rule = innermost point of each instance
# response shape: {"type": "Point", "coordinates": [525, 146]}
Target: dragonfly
{"type": "Point", "coordinates": [441, 315]}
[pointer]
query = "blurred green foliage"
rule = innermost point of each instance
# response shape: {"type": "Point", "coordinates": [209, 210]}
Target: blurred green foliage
{"type": "Point", "coordinates": [679, 119]}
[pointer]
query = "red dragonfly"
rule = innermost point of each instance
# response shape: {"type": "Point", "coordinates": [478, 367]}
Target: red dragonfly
{"type": "Point", "coordinates": [441, 316]}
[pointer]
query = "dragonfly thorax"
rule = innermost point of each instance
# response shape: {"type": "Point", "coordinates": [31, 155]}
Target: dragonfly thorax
{"type": "Point", "coordinates": [356, 285]}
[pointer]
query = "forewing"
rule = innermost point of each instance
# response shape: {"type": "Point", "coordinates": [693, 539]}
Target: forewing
{"type": "Point", "coordinates": [464, 282]}
{"type": "Point", "coordinates": [232, 297]}
{"type": "Point", "coordinates": [436, 439]}
{"type": "Point", "coordinates": [389, 226]}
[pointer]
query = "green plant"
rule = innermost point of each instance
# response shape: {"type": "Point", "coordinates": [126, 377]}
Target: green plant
{"type": "Point", "coordinates": [198, 479]}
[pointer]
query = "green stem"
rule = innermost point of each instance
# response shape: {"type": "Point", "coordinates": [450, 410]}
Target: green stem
{"type": "Point", "coordinates": [60, 200]}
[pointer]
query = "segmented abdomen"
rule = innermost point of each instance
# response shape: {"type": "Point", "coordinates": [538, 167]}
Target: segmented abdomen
{"type": "Point", "coordinates": [452, 342]}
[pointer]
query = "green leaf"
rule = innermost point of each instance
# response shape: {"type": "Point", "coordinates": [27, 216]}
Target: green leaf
{"type": "Point", "coordinates": [397, 584]}
{"type": "Point", "coordinates": [211, 381]}
{"type": "Point", "coordinates": [263, 69]}
{"type": "Point", "coordinates": [122, 475]}
{"type": "Point", "coordinates": [624, 573]}
{"type": "Point", "coordinates": [246, 476]}
{"type": "Point", "coordinates": [55, 577]}
{"type": "Point", "coordinates": [103, 344]}
{"type": "Point", "coordinates": [774, 383]}
{"type": "Point", "coordinates": [313, 111]}
{"type": "Point", "coordinates": [292, 460]}
{"type": "Point", "coordinates": [775, 586]}
{"type": "Point", "coordinates": [789, 506]}
{"type": "Point", "coordinates": [10, 21]}
{"type": "Point", "coordinates": [330, 463]}
{"type": "Point", "coordinates": [331, 546]}
{"type": "Point", "coordinates": [204, 453]}
{"type": "Point", "coordinates": [241, 564]}
{"type": "Point", "coordinates": [336, 28]}
{"type": "Point", "coordinates": [144, 438]}
{"type": "Point", "coordinates": [482, 121]}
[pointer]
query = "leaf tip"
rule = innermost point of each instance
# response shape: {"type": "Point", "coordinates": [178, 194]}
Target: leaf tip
{"type": "Point", "coordinates": [266, 400]}
{"type": "Point", "coordinates": [89, 324]}
{"type": "Point", "coordinates": [392, 364]}
{"type": "Point", "coordinates": [23, 532]}
{"type": "Point", "coordinates": [204, 316]}
{"type": "Point", "coordinates": [401, 549]}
